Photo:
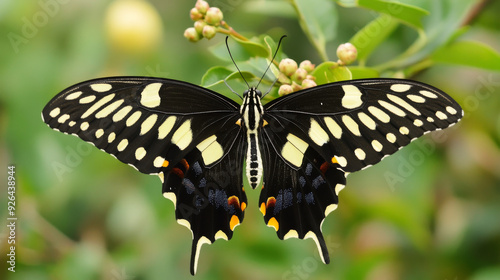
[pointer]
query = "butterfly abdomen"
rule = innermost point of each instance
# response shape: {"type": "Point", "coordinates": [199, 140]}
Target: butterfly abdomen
{"type": "Point", "coordinates": [251, 114]}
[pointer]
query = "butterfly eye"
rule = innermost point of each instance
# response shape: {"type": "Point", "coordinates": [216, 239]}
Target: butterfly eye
{"type": "Point", "coordinates": [258, 93]}
{"type": "Point", "coordinates": [245, 93]}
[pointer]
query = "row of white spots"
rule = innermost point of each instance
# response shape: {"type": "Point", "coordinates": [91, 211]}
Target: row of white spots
{"type": "Point", "coordinates": [210, 149]}
{"type": "Point", "coordinates": [294, 149]}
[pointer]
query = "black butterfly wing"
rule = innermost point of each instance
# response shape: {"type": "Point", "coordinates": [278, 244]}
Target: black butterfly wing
{"type": "Point", "coordinates": [185, 134]}
{"type": "Point", "coordinates": [317, 136]}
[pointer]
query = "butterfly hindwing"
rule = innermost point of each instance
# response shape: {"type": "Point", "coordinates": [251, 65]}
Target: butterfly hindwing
{"type": "Point", "coordinates": [185, 134]}
{"type": "Point", "coordinates": [210, 201]}
{"type": "Point", "coordinates": [295, 199]}
{"type": "Point", "coordinates": [313, 138]}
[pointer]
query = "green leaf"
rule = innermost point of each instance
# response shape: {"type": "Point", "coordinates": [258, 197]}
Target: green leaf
{"type": "Point", "coordinates": [363, 72]}
{"type": "Point", "coordinates": [407, 14]}
{"type": "Point", "coordinates": [329, 72]}
{"type": "Point", "coordinates": [269, 8]}
{"type": "Point", "coordinates": [216, 75]}
{"type": "Point", "coordinates": [444, 19]}
{"type": "Point", "coordinates": [468, 53]}
{"type": "Point", "coordinates": [372, 35]}
{"type": "Point", "coordinates": [241, 50]}
{"type": "Point", "coordinates": [318, 20]}
{"type": "Point", "coordinates": [253, 48]}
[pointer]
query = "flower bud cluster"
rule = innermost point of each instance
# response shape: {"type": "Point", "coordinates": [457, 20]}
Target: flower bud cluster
{"type": "Point", "coordinates": [295, 77]}
{"type": "Point", "coordinates": [206, 21]}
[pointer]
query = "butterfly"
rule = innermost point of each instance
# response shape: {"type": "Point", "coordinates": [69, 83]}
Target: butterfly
{"type": "Point", "coordinates": [298, 148]}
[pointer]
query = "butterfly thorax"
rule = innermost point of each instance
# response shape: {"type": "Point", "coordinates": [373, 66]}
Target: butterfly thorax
{"type": "Point", "coordinates": [251, 115]}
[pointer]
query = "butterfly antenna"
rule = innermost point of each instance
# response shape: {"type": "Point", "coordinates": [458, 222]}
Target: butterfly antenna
{"type": "Point", "coordinates": [229, 51]}
{"type": "Point", "coordinates": [268, 66]}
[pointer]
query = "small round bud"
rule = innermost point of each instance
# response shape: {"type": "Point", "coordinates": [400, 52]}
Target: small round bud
{"type": "Point", "coordinates": [201, 6]}
{"type": "Point", "coordinates": [195, 14]}
{"type": "Point", "coordinates": [311, 77]}
{"type": "Point", "coordinates": [307, 65]}
{"type": "Point", "coordinates": [285, 89]}
{"type": "Point", "coordinates": [288, 66]}
{"type": "Point", "coordinates": [296, 87]}
{"type": "Point", "coordinates": [198, 25]}
{"type": "Point", "coordinates": [347, 53]}
{"type": "Point", "coordinates": [213, 16]}
{"type": "Point", "coordinates": [307, 83]}
{"type": "Point", "coordinates": [209, 31]}
{"type": "Point", "coordinates": [191, 34]}
{"type": "Point", "coordinates": [299, 75]}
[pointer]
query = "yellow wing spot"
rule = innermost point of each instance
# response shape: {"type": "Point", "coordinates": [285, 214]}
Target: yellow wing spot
{"type": "Point", "coordinates": [165, 163]}
{"type": "Point", "coordinates": [238, 122]}
{"type": "Point", "coordinates": [263, 208]}
{"type": "Point", "coordinates": [243, 206]}
{"type": "Point", "coordinates": [265, 123]}
{"type": "Point", "coordinates": [273, 223]}
{"type": "Point", "coordinates": [334, 160]}
{"type": "Point", "coordinates": [234, 222]}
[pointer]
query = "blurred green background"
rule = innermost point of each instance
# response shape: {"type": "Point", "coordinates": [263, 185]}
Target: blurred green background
{"type": "Point", "coordinates": [431, 211]}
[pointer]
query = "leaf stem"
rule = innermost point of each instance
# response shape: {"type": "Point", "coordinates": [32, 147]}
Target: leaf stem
{"type": "Point", "coordinates": [228, 30]}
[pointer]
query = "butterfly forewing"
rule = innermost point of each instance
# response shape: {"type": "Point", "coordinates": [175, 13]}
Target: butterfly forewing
{"type": "Point", "coordinates": [355, 124]}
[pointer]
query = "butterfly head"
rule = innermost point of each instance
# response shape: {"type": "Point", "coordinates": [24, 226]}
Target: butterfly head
{"type": "Point", "coordinates": [252, 92]}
